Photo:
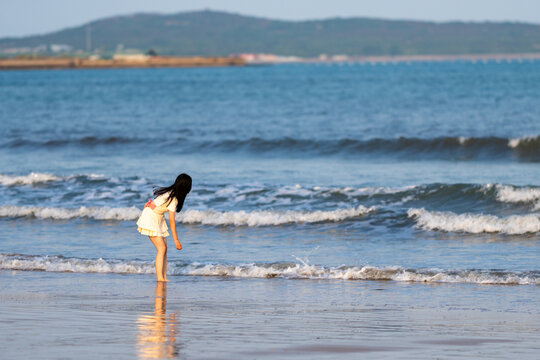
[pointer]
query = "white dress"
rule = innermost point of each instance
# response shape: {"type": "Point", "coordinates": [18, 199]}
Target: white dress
{"type": "Point", "coordinates": [152, 222]}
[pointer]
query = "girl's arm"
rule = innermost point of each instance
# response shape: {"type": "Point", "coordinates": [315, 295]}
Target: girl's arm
{"type": "Point", "coordinates": [173, 230]}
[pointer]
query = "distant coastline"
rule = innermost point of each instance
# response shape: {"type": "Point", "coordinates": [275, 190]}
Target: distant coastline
{"type": "Point", "coordinates": [93, 63]}
{"type": "Point", "coordinates": [216, 33]}
{"type": "Point", "coordinates": [240, 60]}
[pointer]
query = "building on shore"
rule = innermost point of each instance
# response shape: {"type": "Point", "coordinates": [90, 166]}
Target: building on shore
{"type": "Point", "coordinates": [131, 57]}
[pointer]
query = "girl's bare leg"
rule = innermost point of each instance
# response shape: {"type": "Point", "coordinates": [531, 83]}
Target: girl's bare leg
{"type": "Point", "coordinates": [161, 256]}
{"type": "Point", "coordinates": [165, 262]}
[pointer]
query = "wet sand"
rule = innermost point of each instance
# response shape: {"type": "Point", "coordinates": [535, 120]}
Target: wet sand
{"type": "Point", "coordinates": [89, 316]}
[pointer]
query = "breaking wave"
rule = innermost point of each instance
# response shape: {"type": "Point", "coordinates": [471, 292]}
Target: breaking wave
{"type": "Point", "coordinates": [445, 147]}
{"type": "Point", "coordinates": [531, 143]}
{"type": "Point", "coordinates": [511, 194]}
{"type": "Point", "coordinates": [204, 217]}
{"type": "Point", "coordinates": [92, 188]}
{"type": "Point", "coordinates": [54, 213]}
{"type": "Point", "coordinates": [527, 148]}
{"type": "Point", "coordinates": [43, 178]}
{"type": "Point", "coordinates": [273, 270]}
{"type": "Point", "coordinates": [269, 217]}
{"type": "Point", "coordinates": [61, 264]}
{"type": "Point", "coordinates": [475, 223]}
{"type": "Point", "coordinates": [30, 179]}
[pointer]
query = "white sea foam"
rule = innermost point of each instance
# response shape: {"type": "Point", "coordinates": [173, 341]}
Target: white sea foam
{"type": "Point", "coordinates": [510, 194]}
{"type": "Point", "coordinates": [32, 178]}
{"type": "Point", "coordinates": [108, 188]}
{"type": "Point", "coordinates": [205, 217]}
{"type": "Point", "coordinates": [279, 270]}
{"type": "Point", "coordinates": [61, 264]}
{"type": "Point", "coordinates": [475, 223]}
{"type": "Point", "coordinates": [308, 191]}
{"type": "Point", "coordinates": [374, 190]}
{"type": "Point", "coordinates": [304, 271]}
{"type": "Point", "coordinates": [97, 213]}
{"type": "Point", "coordinates": [38, 178]}
{"type": "Point", "coordinates": [269, 217]}
{"type": "Point", "coordinates": [516, 142]}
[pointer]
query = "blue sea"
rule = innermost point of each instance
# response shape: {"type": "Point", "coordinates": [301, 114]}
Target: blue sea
{"type": "Point", "coordinates": [312, 176]}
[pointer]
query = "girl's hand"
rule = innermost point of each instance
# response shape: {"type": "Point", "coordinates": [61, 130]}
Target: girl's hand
{"type": "Point", "coordinates": [173, 230]}
{"type": "Point", "coordinates": [150, 204]}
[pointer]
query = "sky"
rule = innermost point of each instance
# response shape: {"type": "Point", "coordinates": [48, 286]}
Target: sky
{"type": "Point", "coordinates": [30, 17]}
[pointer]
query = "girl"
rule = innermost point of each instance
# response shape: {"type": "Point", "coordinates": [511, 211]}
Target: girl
{"type": "Point", "coordinates": [152, 222]}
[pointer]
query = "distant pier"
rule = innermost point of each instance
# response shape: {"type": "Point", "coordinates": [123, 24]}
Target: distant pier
{"type": "Point", "coordinates": [127, 62]}
{"type": "Point", "coordinates": [431, 58]}
{"type": "Point", "coordinates": [268, 59]}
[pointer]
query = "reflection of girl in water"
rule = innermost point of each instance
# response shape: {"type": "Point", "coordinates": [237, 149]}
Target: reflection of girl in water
{"type": "Point", "coordinates": [152, 222]}
{"type": "Point", "coordinates": [157, 332]}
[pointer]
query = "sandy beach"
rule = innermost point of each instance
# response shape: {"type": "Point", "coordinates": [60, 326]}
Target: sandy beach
{"type": "Point", "coordinates": [89, 316]}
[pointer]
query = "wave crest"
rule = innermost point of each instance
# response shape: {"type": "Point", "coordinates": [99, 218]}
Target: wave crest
{"type": "Point", "coordinates": [475, 223]}
{"type": "Point", "coordinates": [204, 217]}
{"type": "Point", "coordinates": [268, 217]}
{"type": "Point", "coordinates": [97, 213]}
{"type": "Point", "coordinates": [526, 142]}
{"type": "Point", "coordinates": [447, 147]}
{"type": "Point", "coordinates": [82, 141]}
{"type": "Point", "coordinates": [395, 273]}
{"type": "Point", "coordinates": [61, 264]}
{"type": "Point", "coordinates": [275, 270]}
{"type": "Point", "coordinates": [30, 179]}
{"type": "Point", "coordinates": [511, 194]}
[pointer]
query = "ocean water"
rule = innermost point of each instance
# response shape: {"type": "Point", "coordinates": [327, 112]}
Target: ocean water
{"type": "Point", "coordinates": [312, 175]}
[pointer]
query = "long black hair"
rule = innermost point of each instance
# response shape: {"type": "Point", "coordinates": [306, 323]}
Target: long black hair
{"type": "Point", "coordinates": [178, 190]}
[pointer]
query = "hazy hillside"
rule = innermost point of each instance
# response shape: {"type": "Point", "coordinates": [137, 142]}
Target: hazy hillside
{"type": "Point", "coordinates": [219, 33]}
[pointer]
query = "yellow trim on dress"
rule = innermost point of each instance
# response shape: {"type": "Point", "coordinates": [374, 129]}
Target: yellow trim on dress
{"type": "Point", "coordinates": [151, 233]}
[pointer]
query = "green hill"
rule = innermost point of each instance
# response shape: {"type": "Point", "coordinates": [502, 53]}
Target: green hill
{"type": "Point", "coordinates": [215, 33]}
